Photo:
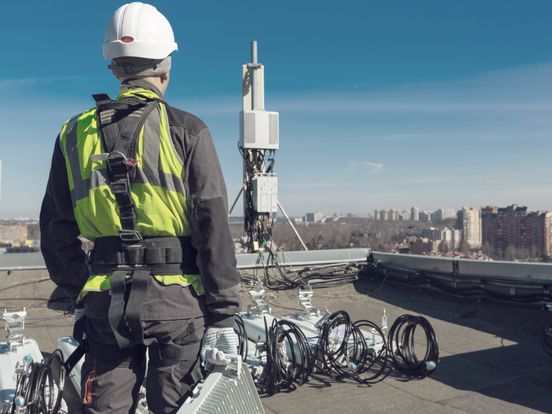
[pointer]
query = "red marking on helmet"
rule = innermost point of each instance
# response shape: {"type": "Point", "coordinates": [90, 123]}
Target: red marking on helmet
{"type": "Point", "coordinates": [127, 39]}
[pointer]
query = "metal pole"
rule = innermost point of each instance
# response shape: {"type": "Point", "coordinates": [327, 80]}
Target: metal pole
{"type": "Point", "coordinates": [292, 226]}
{"type": "Point", "coordinates": [254, 52]}
{"type": "Point", "coordinates": [253, 69]}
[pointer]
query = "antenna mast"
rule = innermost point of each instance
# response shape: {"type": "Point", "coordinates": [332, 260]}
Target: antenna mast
{"type": "Point", "coordinates": [259, 139]}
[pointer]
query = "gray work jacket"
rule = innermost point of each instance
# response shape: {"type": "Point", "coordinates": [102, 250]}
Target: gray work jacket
{"type": "Point", "coordinates": [208, 204]}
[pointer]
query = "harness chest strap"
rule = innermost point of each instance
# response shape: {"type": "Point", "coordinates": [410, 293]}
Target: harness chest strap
{"type": "Point", "coordinates": [120, 123]}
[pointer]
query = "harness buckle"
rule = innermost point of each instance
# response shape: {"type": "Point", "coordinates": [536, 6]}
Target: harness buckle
{"type": "Point", "coordinates": [99, 157]}
{"type": "Point", "coordinates": [130, 235]}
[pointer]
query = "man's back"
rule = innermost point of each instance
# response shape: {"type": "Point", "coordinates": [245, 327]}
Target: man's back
{"type": "Point", "coordinates": [142, 181]}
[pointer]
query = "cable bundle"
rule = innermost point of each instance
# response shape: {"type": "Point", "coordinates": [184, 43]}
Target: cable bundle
{"type": "Point", "coordinates": [466, 286]}
{"type": "Point", "coordinates": [342, 350]}
{"type": "Point", "coordinates": [332, 349]}
{"type": "Point", "coordinates": [546, 339]}
{"type": "Point", "coordinates": [39, 387]}
{"type": "Point", "coordinates": [289, 359]}
{"type": "Point", "coordinates": [282, 277]}
{"type": "Point", "coordinates": [401, 346]}
{"type": "Point", "coordinates": [374, 363]}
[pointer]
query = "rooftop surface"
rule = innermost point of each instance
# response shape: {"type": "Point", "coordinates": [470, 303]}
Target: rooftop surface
{"type": "Point", "coordinates": [491, 356]}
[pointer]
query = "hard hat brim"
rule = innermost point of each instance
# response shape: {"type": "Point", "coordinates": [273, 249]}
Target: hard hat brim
{"type": "Point", "coordinates": [141, 49]}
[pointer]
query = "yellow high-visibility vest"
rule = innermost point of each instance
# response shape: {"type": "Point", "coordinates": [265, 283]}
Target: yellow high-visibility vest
{"type": "Point", "coordinates": [158, 191]}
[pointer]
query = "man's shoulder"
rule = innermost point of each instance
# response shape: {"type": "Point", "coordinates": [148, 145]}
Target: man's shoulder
{"type": "Point", "coordinates": [183, 119]}
{"type": "Point", "coordinates": [87, 114]}
{"type": "Point", "coordinates": [83, 118]}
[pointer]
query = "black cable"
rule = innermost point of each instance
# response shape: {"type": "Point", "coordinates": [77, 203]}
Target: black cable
{"type": "Point", "coordinates": [332, 349]}
{"type": "Point", "coordinates": [374, 365]}
{"type": "Point", "coordinates": [289, 358]}
{"type": "Point", "coordinates": [280, 278]}
{"type": "Point", "coordinates": [480, 290]}
{"type": "Point", "coordinates": [343, 350]}
{"type": "Point", "coordinates": [546, 339]}
{"type": "Point", "coordinates": [243, 345]}
{"type": "Point", "coordinates": [40, 385]}
{"type": "Point", "coordinates": [402, 348]}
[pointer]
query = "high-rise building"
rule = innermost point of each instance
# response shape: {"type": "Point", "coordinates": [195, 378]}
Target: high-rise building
{"type": "Point", "coordinates": [432, 233]}
{"type": "Point", "coordinates": [443, 214]}
{"type": "Point", "coordinates": [315, 217]}
{"type": "Point", "coordinates": [449, 213]}
{"type": "Point", "coordinates": [452, 240]}
{"type": "Point", "coordinates": [376, 214]}
{"type": "Point", "coordinates": [514, 231]}
{"type": "Point", "coordinates": [424, 216]}
{"type": "Point", "coordinates": [383, 215]}
{"type": "Point", "coordinates": [415, 214]}
{"type": "Point", "coordinates": [393, 215]}
{"type": "Point", "coordinates": [489, 228]}
{"type": "Point", "coordinates": [471, 227]}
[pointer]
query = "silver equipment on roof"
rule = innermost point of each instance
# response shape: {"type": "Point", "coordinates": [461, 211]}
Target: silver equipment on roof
{"type": "Point", "coordinates": [227, 390]}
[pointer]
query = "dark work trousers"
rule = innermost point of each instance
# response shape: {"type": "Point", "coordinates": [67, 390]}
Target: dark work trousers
{"type": "Point", "coordinates": [111, 377]}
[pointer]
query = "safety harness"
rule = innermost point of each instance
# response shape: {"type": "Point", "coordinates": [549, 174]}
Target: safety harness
{"type": "Point", "coordinates": [130, 255]}
{"type": "Point", "coordinates": [129, 258]}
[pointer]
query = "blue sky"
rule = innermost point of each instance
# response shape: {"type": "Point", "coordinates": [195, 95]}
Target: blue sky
{"type": "Point", "coordinates": [382, 104]}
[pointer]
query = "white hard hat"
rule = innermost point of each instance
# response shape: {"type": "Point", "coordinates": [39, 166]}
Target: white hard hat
{"type": "Point", "coordinates": [138, 30]}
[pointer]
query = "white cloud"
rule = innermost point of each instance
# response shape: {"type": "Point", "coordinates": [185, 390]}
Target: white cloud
{"type": "Point", "coordinates": [365, 166]}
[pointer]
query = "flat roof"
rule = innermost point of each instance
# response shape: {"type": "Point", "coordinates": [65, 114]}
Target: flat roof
{"type": "Point", "coordinates": [491, 356]}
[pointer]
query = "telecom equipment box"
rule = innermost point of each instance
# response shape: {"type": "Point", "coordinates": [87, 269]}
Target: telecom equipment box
{"type": "Point", "coordinates": [259, 130]}
{"type": "Point", "coordinates": [223, 393]}
{"type": "Point", "coordinates": [265, 193]}
{"type": "Point", "coordinates": [12, 354]}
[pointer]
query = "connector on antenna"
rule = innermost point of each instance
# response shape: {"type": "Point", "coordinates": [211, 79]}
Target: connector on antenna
{"type": "Point", "coordinates": [260, 306]}
{"type": "Point", "coordinates": [384, 326]}
{"type": "Point", "coordinates": [14, 324]}
{"type": "Point", "coordinates": [304, 299]}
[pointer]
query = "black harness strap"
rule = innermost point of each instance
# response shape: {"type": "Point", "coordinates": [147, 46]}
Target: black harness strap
{"type": "Point", "coordinates": [74, 358]}
{"type": "Point", "coordinates": [78, 353]}
{"type": "Point", "coordinates": [116, 313]}
{"type": "Point", "coordinates": [120, 124]}
{"type": "Point", "coordinates": [160, 255]}
{"type": "Point", "coordinates": [140, 281]}
{"type": "Point", "coordinates": [129, 254]}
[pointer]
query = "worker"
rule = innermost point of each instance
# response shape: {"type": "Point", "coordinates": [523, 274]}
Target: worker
{"type": "Point", "coordinates": [142, 181]}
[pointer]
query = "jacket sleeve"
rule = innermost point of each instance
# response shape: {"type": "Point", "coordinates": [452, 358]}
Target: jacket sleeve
{"type": "Point", "coordinates": [61, 248]}
{"type": "Point", "coordinates": [210, 232]}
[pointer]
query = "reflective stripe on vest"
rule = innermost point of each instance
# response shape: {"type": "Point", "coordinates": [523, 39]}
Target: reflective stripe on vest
{"type": "Point", "coordinates": [158, 190]}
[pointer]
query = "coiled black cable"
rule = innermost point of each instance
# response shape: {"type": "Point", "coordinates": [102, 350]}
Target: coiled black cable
{"type": "Point", "coordinates": [239, 328]}
{"type": "Point", "coordinates": [332, 348]}
{"type": "Point", "coordinates": [402, 349]}
{"type": "Point", "coordinates": [374, 365]}
{"type": "Point", "coordinates": [343, 349]}
{"type": "Point", "coordinates": [40, 386]}
{"type": "Point", "coordinates": [289, 359]}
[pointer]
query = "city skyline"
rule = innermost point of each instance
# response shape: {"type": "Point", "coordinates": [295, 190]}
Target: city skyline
{"type": "Point", "coordinates": [375, 112]}
{"type": "Point", "coordinates": [367, 214]}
